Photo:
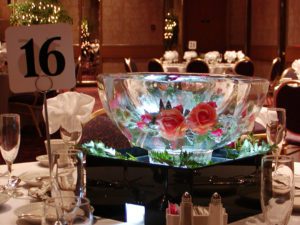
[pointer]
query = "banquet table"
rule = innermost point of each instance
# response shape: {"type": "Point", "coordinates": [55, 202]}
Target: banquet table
{"type": "Point", "coordinates": [5, 93]}
{"type": "Point", "coordinates": [4, 84]}
{"type": "Point", "coordinates": [8, 216]}
{"type": "Point", "coordinates": [7, 210]}
{"type": "Point", "coordinates": [219, 68]}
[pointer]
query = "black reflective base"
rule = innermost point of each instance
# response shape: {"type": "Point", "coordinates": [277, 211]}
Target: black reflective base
{"type": "Point", "coordinates": [111, 183]}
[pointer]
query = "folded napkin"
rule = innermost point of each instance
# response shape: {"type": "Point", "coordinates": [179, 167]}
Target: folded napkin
{"type": "Point", "coordinates": [212, 56]}
{"type": "Point", "coordinates": [296, 67]}
{"type": "Point", "coordinates": [171, 56]}
{"type": "Point", "coordinates": [230, 56]}
{"type": "Point", "coordinates": [240, 55]}
{"type": "Point", "coordinates": [69, 110]}
{"type": "Point", "coordinates": [188, 55]}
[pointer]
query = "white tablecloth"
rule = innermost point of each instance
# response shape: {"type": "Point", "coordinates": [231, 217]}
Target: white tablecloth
{"type": "Point", "coordinates": [218, 68]}
{"type": "Point", "coordinates": [7, 216]}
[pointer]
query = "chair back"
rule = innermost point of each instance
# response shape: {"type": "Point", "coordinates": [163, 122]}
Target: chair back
{"type": "Point", "coordinates": [155, 65]}
{"type": "Point", "coordinates": [244, 67]}
{"type": "Point", "coordinates": [275, 69]}
{"type": "Point", "coordinates": [101, 128]}
{"type": "Point", "coordinates": [289, 73]}
{"type": "Point", "coordinates": [197, 65]}
{"type": "Point", "coordinates": [287, 96]}
{"type": "Point", "coordinates": [130, 65]}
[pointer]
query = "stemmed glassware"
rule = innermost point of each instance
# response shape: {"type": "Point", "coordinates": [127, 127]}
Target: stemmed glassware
{"type": "Point", "coordinates": [277, 188]}
{"type": "Point", "coordinates": [71, 132]}
{"type": "Point", "coordinates": [68, 173]}
{"type": "Point", "coordinates": [9, 146]}
{"type": "Point", "coordinates": [67, 210]}
{"type": "Point", "coordinates": [276, 124]}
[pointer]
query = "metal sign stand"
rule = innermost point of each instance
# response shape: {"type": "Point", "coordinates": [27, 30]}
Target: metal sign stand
{"type": "Point", "coordinates": [44, 84]}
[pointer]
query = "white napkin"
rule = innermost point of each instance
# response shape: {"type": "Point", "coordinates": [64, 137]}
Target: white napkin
{"type": "Point", "coordinates": [188, 55]}
{"type": "Point", "coordinates": [212, 56]}
{"type": "Point", "coordinates": [171, 56]}
{"type": "Point", "coordinates": [230, 56]}
{"type": "Point", "coordinates": [240, 55]}
{"type": "Point", "coordinates": [296, 67]}
{"type": "Point", "coordinates": [67, 108]}
{"type": "Point", "coordinates": [262, 117]}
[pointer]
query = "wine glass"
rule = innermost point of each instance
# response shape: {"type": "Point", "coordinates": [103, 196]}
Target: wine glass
{"type": "Point", "coordinates": [9, 146]}
{"type": "Point", "coordinates": [276, 123]}
{"type": "Point", "coordinates": [68, 173]}
{"type": "Point", "coordinates": [277, 188]}
{"type": "Point", "coordinates": [71, 132]}
{"type": "Point", "coordinates": [67, 210]}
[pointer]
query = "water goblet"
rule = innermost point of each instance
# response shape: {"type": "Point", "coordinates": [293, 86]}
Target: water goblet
{"type": "Point", "coordinates": [277, 188]}
{"type": "Point", "coordinates": [68, 211]}
{"type": "Point", "coordinates": [9, 146]}
{"type": "Point", "coordinates": [276, 123]}
{"type": "Point", "coordinates": [71, 132]}
{"type": "Point", "coordinates": [68, 175]}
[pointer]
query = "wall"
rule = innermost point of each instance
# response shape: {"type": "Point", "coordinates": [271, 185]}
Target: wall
{"type": "Point", "coordinates": [293, 31]}
{"type": "Point", "coordinates": [130, 29]}
{"type": "Point", "coordinates": [236, 24]}
{"type": "Point", "coordinates": [205, 22]}
{"type": "Point", "coordinates": [70, 6]}
{"type": "Point", "coordinates": [4, 18]}
{"type": "Point", "coordinates": [264, 35]}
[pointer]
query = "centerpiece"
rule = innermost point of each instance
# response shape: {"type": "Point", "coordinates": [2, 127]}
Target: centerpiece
{"type": "Point", "coordinates": [180, 127]}
{"type": "Point", "coordinates": [176, 114]}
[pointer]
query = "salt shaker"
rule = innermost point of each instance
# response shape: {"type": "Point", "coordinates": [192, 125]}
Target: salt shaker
{"type": "Point", "coordinates": [186, 210]}
{"type": "Point", "coordinates": [216, 211]}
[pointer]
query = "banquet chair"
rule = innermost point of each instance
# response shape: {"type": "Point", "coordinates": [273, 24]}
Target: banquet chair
{"type": "Point", "coordinates": [275, 75]}
{"type": "Point", "coordinates": [197, 65]}
{"type": "Point", "coordinates": [286, 96]}
{"type": "Point", "coordinates": [155, 65]}
{"type": "Point", "coordinates": [29, 105]}
{"type": "Point", "coordinates": [275, 70]}
{"type": "Point", "coordinates": [101, 128]}
{"type": "Point", "coordinates": [289, 73]}
{"type": "Point", "coordinates": [244, 67]}
{"type": "Point", "coordinates": [77, 61]}
{"type": "Point", "coordinates": [130, 65]}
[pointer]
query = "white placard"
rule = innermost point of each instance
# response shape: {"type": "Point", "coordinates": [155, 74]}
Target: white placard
{"type": "Point", "coordinates": [192, 45]}
{"type": "Point", "coordinates": [40, 57]}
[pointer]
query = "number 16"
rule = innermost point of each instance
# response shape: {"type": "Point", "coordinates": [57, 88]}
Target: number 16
{"type": "Point", "coordinates": [43, 58]}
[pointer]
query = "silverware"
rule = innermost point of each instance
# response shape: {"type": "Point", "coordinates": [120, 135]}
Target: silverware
{"type": "Point", "coordinates": [28, 215]}
{"type": "Point", "coordinates": [41, 178]}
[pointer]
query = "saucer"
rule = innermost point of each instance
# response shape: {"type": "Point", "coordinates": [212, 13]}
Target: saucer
{"type": "Point", "coordinates": [31, 213]}
{"type": "Point", "coordinates": [297, 203]}
{"type": "Point", "coordinates": [34, 179]}
{"type": "Point", "coordinates": [43, 160]}
{"type": "Point", "coordinates": [3, 198]}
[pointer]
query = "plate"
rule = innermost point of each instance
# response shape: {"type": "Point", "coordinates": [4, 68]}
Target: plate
{"type": "Point", "coordinates": [297, 203]}
{"type": "Point", "coordinates": [32, 213]}
{"type": "Point", "coordinates": [297, 190]}
{"type": "Point", "coordinates": [3, 198]}
{"type": "Point", "coordinates": [34, 178]}
{"type": "Point", "coordinates": [43, 160]}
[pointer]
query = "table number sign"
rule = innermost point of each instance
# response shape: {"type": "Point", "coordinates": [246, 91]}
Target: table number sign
{"type": "Point", "coordinates": [40, 57]}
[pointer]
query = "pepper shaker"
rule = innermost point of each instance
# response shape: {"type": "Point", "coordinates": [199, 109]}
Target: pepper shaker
{"type": "Point", "coordinates": [216, 210]}
{"type": "Point", "coordinates": [186, 210]}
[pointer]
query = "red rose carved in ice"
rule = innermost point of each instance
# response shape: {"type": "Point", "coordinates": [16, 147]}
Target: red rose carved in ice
{"type": "Point", "coordinates": [172, 124]}
{"type": "Point", "coordinates": [202, 118]}
{"type": "Point", "coordinates": [145, 119]}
